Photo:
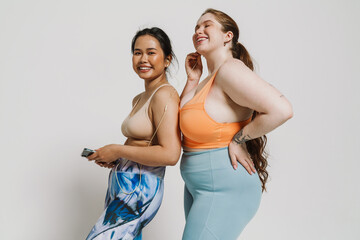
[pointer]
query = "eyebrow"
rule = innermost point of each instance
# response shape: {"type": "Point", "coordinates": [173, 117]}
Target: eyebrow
{"type": "Point", "coordinates": [138, 49]}
{"type": "Point", "coordinates": [197, 26]}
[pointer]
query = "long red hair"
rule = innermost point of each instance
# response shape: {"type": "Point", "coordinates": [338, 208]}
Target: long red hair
{"type": "Point", "coordinates": [255, 147]}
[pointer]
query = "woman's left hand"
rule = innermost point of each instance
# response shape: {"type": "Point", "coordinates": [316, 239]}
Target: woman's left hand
{"type": "Point", "coordinates": [106, 155]}
{"type": "Point", "coordinates": [239, 153]}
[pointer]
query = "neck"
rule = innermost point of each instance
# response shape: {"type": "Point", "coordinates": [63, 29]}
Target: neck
{"type": "Point", "coordinates": [151, 84]}
{"type": "Point", "coordinates": [216, 58]}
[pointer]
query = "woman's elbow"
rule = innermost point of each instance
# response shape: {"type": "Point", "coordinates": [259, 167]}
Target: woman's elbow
{"type": "Point", "coordinates": [173, 157]}
{"type": "Point", "coordinates": [286, 112]}
{"type": "Point", "coordinates": [176, 157]}
{"type": "Point", "coordinates": [173, 161]}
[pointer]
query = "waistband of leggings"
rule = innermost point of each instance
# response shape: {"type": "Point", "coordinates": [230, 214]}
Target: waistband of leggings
{"type": "Point", "coordinates": [133, 167]}
{"type": "Point", "coordinates": [205, 151]}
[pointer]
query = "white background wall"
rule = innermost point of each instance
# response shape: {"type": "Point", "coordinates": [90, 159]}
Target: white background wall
{"type": "Point", "coordinates": [66, 82]}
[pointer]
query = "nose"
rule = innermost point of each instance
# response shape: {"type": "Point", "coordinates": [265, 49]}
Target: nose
{"type": "Point", "coordinates": [144, 58]}
{"type": "Point", "coordinates": [199, 30]}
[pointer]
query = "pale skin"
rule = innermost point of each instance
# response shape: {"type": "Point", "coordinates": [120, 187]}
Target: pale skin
{"type": "Point", "coordinates": [150, 64]}
{"type": "Point", "coordinates": [236, 92]}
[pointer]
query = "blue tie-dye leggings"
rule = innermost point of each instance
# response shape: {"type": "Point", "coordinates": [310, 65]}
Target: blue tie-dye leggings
{"type": "Point", "coordinates": [219, 201]}
{"type": "Point", "coordinates": [126, 214]}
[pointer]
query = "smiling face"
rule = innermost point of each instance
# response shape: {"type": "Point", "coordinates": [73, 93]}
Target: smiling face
{"type": "Point", "coordinates": [208, 34]}
{"type": "Point", "coordinates": [148, 58]}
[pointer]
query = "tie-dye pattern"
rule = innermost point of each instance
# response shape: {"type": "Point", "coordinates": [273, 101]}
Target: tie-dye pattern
{"type": "Point", "coordinates": [126, 214]}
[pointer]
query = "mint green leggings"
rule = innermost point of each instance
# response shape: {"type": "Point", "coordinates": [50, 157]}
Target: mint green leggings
{"type": "Point", "coordinates": [219, 201]}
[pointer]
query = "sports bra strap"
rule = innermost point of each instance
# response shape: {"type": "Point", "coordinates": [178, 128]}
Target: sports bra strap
{"type": "Point", "coordinates": [166, 84]}
{"type": "Point", "coordinates": [137, 101]}
{"type": "Point", "coordinates": [162, 117]}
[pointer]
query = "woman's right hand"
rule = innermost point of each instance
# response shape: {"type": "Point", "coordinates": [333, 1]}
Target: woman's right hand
{"type": "Point", "coordinates": [193, 66]}
{"type": "Point", "coordinates": [239, 153]}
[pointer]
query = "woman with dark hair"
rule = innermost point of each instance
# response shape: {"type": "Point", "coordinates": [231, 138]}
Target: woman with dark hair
{"type": "Point", "coordinates": [135, 186]}
{"type": "Point", "coordinates": [224, 119]}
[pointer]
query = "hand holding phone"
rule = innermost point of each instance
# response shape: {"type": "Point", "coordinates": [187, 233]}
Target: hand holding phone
{"type": "Point", "coordinates": [87, 152]}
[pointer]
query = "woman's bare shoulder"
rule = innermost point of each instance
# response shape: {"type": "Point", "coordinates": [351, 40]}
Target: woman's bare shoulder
{"type": "Point", "coordinates": [231, 67]}
{"type": "Point", "coordinates": [234, 71]}
{"type": "Point", "coordinates": [166, 93]}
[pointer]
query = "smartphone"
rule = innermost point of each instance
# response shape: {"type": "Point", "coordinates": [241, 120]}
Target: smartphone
{"type": "Point", "coordinates": [87, 152]}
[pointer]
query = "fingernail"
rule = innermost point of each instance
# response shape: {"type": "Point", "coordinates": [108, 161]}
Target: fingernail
{"type": "Point", "coordinates": [235, 167]}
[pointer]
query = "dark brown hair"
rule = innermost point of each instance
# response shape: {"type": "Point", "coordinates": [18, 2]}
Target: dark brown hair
{"type": "Point", "coordinates": [255, 147]}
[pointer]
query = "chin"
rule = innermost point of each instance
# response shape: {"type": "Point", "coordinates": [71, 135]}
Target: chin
{"type": "Point", "coordinates": [199, 49]}
{"type": "Point", "coordinates": [143, 76]}
{"type": "Point", "coordinates": [202, 49]}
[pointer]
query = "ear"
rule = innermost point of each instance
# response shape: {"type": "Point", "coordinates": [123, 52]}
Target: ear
{"type": "Point", "coordinates": [228, 36]}
{"type": "Point", "coordinates": [168, 60]}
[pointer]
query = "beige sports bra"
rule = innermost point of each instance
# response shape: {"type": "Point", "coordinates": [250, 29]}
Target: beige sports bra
{"type": "Point", "coordinates": [138, 125]}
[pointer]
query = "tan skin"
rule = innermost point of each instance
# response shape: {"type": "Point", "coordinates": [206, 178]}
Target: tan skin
{"type": "Point", "coordinates": [236, 91]}
{"type": "Point", "coordinates": [150, 64]}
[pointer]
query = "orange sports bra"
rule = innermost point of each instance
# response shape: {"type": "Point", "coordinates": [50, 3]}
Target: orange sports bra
{"type": "Point", "coordinates": [199, 129]}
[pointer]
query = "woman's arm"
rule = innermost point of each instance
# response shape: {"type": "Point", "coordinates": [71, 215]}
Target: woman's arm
{"type": "Point", "coordinates": [167, 152]}
{"type": "Point", "coordinates": [247, 89]}
{"type": "Point", "coordinates": [193, 67]}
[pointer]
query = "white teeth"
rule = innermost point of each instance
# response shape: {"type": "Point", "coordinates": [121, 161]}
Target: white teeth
{"type": "Point", "coordinates": [200, 39]}
{"type": "Point", "coordinates": [144, 68]}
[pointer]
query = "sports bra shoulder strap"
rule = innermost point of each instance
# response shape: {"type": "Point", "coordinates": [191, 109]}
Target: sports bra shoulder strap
{"type": "Point", "coordinates": [212, 79]}
{"type": "Point", "coordinates": [204, 91]}
{"type": "Point", "coordinates": [162, 117]}
{"type": "Point", "coordinates": [137, 101]}
{"type": "Point", "coordinates": [166, 84]}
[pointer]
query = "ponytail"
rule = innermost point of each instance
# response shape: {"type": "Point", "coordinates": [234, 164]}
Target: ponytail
{"type": "Point", "coordinates": [239, 51]}
{"type": "Point", "coordinates": [256, 149]}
